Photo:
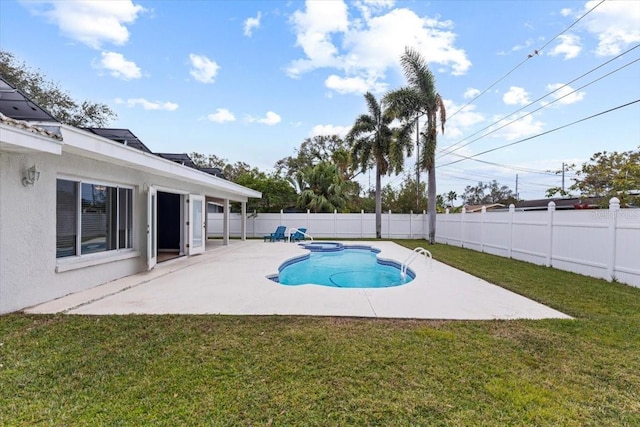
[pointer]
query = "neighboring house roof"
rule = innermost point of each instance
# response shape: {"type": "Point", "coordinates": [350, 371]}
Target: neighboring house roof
{"type": "Point", "coordinates": [478, 208]}
{"type": "Point", "coordinates": [15, 104]}
{"type": "Point", "coordinates": [561, 203]}
{"type": "Point", "coordinates": [123, 136]}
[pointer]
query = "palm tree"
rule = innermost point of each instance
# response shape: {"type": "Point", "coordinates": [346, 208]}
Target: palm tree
{"type": "Point", "coordinates": [321, 188]}
{"type": "Point", "coordinates": [419, 98]}
{"type": "Point", "coordinates": [451, 197]}
{"type": "Point", "coordinates": [374, 142]}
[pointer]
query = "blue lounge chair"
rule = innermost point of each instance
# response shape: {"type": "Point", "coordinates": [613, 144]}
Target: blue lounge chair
{"type": "Point", "coordinates": [277, 235]}
{"type": "Point", "coordinates": [298, 235]}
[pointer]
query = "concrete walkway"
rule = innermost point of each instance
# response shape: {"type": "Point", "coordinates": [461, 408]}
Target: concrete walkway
{"type": "Point", "coordinates": [232, 280]}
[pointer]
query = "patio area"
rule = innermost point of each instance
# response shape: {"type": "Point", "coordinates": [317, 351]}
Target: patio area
{"type": "Point", "coordinates": [233, 280]}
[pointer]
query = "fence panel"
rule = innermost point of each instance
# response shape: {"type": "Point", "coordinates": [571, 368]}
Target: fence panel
{"type": "Point", "coordinates": [579, 242]}
{"type": "Point", "coordinates": [626, 256]}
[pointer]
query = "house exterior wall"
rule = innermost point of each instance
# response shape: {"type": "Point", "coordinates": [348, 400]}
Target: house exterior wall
{"type": "Point", "coordinates": [28, 264]}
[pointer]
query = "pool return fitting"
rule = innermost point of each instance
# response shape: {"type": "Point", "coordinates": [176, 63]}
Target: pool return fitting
{"type": "Point", "coordinates": [416, 253]}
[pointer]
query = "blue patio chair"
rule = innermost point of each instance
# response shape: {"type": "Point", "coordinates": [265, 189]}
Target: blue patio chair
{"type": "Point", "coordinates": [277, 235]}
{"type": "Point", "coordinates": [298, 235]}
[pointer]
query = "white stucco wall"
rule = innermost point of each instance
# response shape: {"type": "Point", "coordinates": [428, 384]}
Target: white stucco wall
{"type": "Point", "coordinates": [28, 226]}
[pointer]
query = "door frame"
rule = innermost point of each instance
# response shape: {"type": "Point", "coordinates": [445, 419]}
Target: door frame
{"type": "Point", "coordinates": [196, 224]}
{"type": "Point", "coordinates": [152, 227]}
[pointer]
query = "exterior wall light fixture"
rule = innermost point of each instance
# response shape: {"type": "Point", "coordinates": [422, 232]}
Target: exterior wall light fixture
{"type": "Point", "coordinates": [31, 176]}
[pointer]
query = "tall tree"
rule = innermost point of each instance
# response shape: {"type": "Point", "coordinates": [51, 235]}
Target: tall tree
{"type": "Point", "coordinates": [608, 175]}
{"type": "Point", "coordinates": [277, 192]}
{"type": "Point", "coordinates": [374, 141]}
{"type": "Point", "coordinates": [488, 193]}
{"type": "Point", "coordinates": [419, 98]}
{"type": "Point", "coordinates": [51, 97]}
{"type": "Point", "coordinates": [403, 199]}
{"type": "Point", "coordinates": [320, 148]}
{"type": "Point", "coordinates": [321, 188]}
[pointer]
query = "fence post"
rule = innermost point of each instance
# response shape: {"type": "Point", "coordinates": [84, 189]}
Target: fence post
{"type": "Point", "coordinates": [551, 209]}
{"type": "Point", "coordinates": [389, 225]}
{"type": "Point", "coordinates": [614, 207]}
{"type": "Point", "coordinates": [309, 220]}
{"type": "Point", "coordinates": [512, 209]}
{"type": "Point", "coordinates": [425, 229]}
{"type": "Point", "coordinates": [254, 220]}
{"type": "Point", "coordinates": [362, 223]}
{"type": "Point", "coordinates": [281, 217]}
{"type": "Point", "coordinates": [446, 226]}
{"type": "Point", "coordinates": [482, 214]}
{"type": "Point", "coordinates": [464, 212]}
{"type": "Point", "coordinates": [411, 224]}
{"type": "Point", "coordinates": [335, 223]}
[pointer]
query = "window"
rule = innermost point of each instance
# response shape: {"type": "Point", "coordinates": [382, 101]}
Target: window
{"type": "Point", "coordinates": [92, 218]}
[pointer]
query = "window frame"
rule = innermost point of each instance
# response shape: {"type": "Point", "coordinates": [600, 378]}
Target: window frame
{"type": "Point", "coordinates": [80, 260]}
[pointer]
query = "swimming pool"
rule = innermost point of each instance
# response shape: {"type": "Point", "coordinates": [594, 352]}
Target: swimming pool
{"type": "Point", "coordinates": [333, 264]}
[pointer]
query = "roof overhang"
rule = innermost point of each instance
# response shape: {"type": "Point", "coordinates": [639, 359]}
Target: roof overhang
{"type": "Point", "coordinates": [90, 145]}
{"type": "Point", "coordinates": [21, 138]}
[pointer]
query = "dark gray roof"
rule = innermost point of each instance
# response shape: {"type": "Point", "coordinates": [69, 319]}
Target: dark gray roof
{"type": "Point", "coordinates": [180, 158]}
{"type": "Point", "coordinates": [123, 136]}
{"type": "Point", "coordinates": [214, 171]}
{"type": "Point", "coordinates": [16, 105]}
{"type": "Point", "coordinates": [561, 203]}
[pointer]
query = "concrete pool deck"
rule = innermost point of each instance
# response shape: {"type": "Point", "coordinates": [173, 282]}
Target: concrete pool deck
{"type": "Point", "coordinates": [232, 280]}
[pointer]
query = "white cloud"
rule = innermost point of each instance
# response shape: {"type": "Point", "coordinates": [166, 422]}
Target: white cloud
{"type": "Point", "coordinates": [252, 23]}
{"type": "Point", "coordinates": [92, 23]}
{"type": "Point", "coordinates": [526, 45]}
{"type": "Point", "coordinates": [563, 94]}
{"type": "Point", "coordinates": [313, 33]}
{"type": "Point", "coordinates": [364, 48]}
{"type": "Point", "coordinates": [148, 105]}
{"type": "Point", "coordinates": [565, 12]}
{"type": "Point", "coordinates": [118, 66]}
{"type": "Point", "coordinates": [203, 69]}
{"type": "Point", "coordinates": [222, 115]}
{"type": "Point", "coordinates": [329, 130]}
{"type": "Point", "coordinates": [569, 46]}
{"type": "Point", "coordinates": [516, 96]}
{"type": "Point", "coordinates": [519, 127]}
{"type": "Point", "coordinates": [616, 24]}
{"type": "Point", "coordinates": [458, 125]}
{"type": "Point", "coordinates": [270, 119]}
{"type": "Point", "coordinates": [471, 93]}
{"type": "Point", "coordinates": [358, 85]}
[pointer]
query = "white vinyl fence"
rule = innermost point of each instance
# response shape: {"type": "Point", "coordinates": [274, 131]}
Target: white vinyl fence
{"type": "Point", "coordinates": [599, 243]}
{"type": "Point", "coordinates": [324, 225]}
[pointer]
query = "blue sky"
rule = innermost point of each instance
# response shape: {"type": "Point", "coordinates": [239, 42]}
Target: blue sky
{"type": "Point", "coordinates": [250, 80]}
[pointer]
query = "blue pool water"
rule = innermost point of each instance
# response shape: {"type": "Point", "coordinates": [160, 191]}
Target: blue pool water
{"type": "Point", "coordinates": [331, 264]}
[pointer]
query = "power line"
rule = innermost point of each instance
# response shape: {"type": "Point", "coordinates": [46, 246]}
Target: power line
{"type": "Point", "coordinates": [536, 52]}
{"type": "Point", "coordinates": [515, 168]}
{"type": "Point", "coordinates": [544, 106]}
{"type": "Point", "coordinates": [543, 133]}
{"type": "Point", "coordinates": [451, 149]}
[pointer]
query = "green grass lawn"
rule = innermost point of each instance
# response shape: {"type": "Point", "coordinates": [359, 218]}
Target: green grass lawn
{"type": "Point", "coordinates": [61, 370]}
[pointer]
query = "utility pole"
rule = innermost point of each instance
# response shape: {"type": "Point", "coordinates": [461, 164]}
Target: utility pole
{"type": "Point", "coordinates": [517, 197]}
{"type": "Point", "coordinates": [417, 162]}
{"type": "Point", "coordinates": [562, 178]}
